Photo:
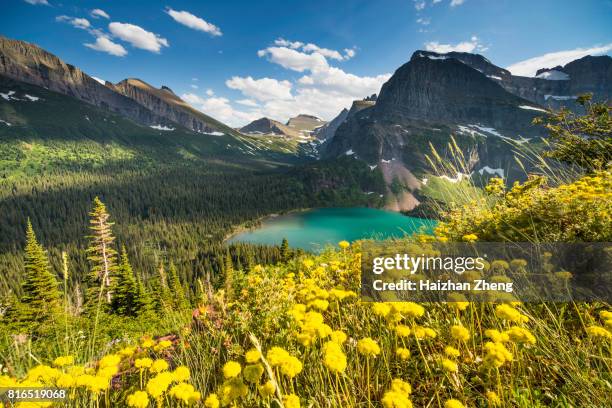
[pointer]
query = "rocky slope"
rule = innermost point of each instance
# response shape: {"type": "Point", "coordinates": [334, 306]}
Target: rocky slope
{"type": "Point", "coordinates": [328, 130]}
{"type": "Point", "coordinates": [551, 87]}
{"type": "Point", "coordinates": [266, 126]}
{"type": "Point", "coordinates": [305, 124]}
{"type": "Point", "coordinates": [166, 104]}
{"type": "Point", "coordinates": [29, 63]}
{"type": "Point", "coordinates": [426, 101]}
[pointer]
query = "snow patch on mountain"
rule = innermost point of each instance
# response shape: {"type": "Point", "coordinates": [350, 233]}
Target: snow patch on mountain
{"type": "Point", "coordinates": [489, 170]}
{"type": "Point", "coordinates": [161, 127]}
{"type": "Point", "coordinates": [554, 75]}
{"type": "Point", "coordinates": [532, 108]}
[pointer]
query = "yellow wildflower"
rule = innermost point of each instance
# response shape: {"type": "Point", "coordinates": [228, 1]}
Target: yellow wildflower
{"type": "Point", "coordinates": [159, 365]}
{"type": "Point", "coordinates": [344, 244]}
{"type": "Point", "coordinates": [138, 399]}
{"type": "Point", "coordinates": [110, 361]}
{"type": "Point", "coordinates": [159, 384]}
{"type": "Point", "coordinates": [212, 401]}
{"type": "Point", "coordinates": [400, 386]}
{"type": "Point", "coordinates": [252, 356]}
{"type": "Point", "coordinates": [451, 352]}
{"type": "Point", "coordinates": [507, 312]}
{"type": "Point", "coordinates": [143, 363]}
{"type": "Point", "coordinates": [185, 393]}
{"type": "Point", "coordinates": [497, 336]}
{"type": "Point", "coordinates": [333, 357]}
{"type": "Point", "coordinates": [266, 390]}
{"type": "Point", "coordinates": [162, 345]}
{"type": "Point", "coordinates": [63, 361]}
{"type": "Point", "coordinates": [598, 332]}
{"type": "Point", "coordinates": [338, 336]}
{"type": "Point", "coordinates": [520, 335]}
{"type": "Point", "coordinates": [460, 333]}
{"type": "Point", "coordinates": [453, 403]}
{"type": "Point", "coordinates": [496, 354]}
{"type": "Point", "coordinates": [381, 309]}
{"type": "Point", "coordinates": [181, 373]}
{"type": "Point", "coordinates": [231, 369]}
{"type": "Point", "coordinates": [292, 400]}
{"type": "Point", "coordinates": [493, 398]}
{"type": "Point", "coordinates": [402, 353]}
{"type": "Point", "coordinates": [449, 365]}
{"type": "Point", "coordinates": [368, 347]}
{"type": "Point", "coordinates": [394, 399]}
{"type": "Point", "coordinates": [402, 330]}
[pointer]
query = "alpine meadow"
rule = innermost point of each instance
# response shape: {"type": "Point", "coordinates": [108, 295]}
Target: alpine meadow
{"type": "Point", "coordinates": [131, 270]}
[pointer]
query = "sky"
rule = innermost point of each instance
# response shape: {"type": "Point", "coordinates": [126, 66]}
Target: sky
{"type": "Point", "coordinates": [241, 60]}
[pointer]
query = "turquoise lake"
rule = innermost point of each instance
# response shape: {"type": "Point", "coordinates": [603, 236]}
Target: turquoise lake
{"type": "Point", "coordinates": [314, 229]}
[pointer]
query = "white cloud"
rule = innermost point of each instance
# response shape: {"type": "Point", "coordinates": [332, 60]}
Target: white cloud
{"type": "Point", "coordinates": [465, 46]}
{"type": "Point", "coordinates": [419, 5]}
{"type": "Point", "coordinates": [220, 109]}
{"type": "Point", "coordinates": [97, 13]}
{"type": "Point", "coordinates": [189, 20]}
{"type": "Point", "coordinates": [423, 21]}
{"type": "Point", "coordinates": [36, 2]}
{"type": "Point", "coordinates": [210, 92]}
{"type": "Point", "coordinates": [104, 44]}
{"type": "Point", "coordinates": [292, 59]}
{"type": "Point", "coordinates": [194, 86]}
{"type": "Point", "coordinates": [281, 42]}
{"type": "Point", "coordinates": [264, 89]}
{"type": "Point", "coordinates": [138, 37]}
{"type": "Point", "coordinates": [529, 66]}
{"type": "Point", "coordinates": [455, 3]}
{"type": "Point", "coordinates": [322, 90]}
{"type": "Point", "coordinates": [436, 1]}
{"type": "Point", "coordinates": [248, 102]}
{"type": "Point", "coordinates": [81, 23]}
{"type": "Point", "coordinates": [326, 52]}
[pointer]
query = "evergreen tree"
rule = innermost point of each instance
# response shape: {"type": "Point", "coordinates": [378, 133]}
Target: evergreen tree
{"type": "Point", "coordinates": [40, 288]}
{"type": "Point", "coordinates": [228, 272]}
{"type": "Point", "coordinates": [125, 294]}
{"type": "Point", "coordinates": [176, 288]}
{"type": "Point", "coordinates": [284, 250]}
{"type": "Point", "coordinates": [101, 253]}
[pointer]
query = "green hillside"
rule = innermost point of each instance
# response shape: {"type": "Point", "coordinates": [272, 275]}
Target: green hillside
{"type": "Point", "coordinates": [175, 193]}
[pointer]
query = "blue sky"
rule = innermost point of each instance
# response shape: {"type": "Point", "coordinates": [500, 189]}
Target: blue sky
{"type": "Point", "coordinates": [240, 60]}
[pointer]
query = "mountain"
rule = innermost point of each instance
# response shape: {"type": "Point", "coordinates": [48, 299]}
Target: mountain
{"type": "Point", "coordinates": [559, 86]}
{"type": "Point", "coordinates": [551, 87]}
{"type": "Point", "coordinates": [328, 130]}
{"type": "Point", "coordinates": [29, 63]}
{"type": "Point", "coordinates": [305, 124]}
{"type": "Point", "coordinates": [165, 103]}
{"type": "Point", "coordinates": [428, 100]}
{"type": "Point", "coordinates": [266, 126]}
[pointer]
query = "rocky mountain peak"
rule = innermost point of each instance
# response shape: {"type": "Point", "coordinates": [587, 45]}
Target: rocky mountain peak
{"type": "Point", "coordinates": [476, 61]}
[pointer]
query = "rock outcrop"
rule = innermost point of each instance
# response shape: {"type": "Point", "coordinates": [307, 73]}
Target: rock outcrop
{"type": "Point", "coordinates": [166, 104]}
{"type": "Point", "coordinates": [29, 63]}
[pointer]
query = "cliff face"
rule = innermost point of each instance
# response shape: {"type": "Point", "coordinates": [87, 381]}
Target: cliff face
{"type": "Point", "coordinates": [266, 126]}
{"type": "Point", "coordinates": [163, 102]}
{"type": "Point", "coordinates": [31, 64]}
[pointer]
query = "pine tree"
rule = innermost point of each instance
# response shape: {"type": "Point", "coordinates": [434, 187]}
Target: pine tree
{"type": "Point", "coordinates": [125, 290]}
{"type": "Point", "coordinates": [228, 272]}
{"type": "Point", "coordinates": [101, 253]}
{"type": "Point", "coordinates": [176, 288]}
{"type": "Point", "coordinates": [284, 250]}
{"type": "Point", "coordinates": [40, 288]}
